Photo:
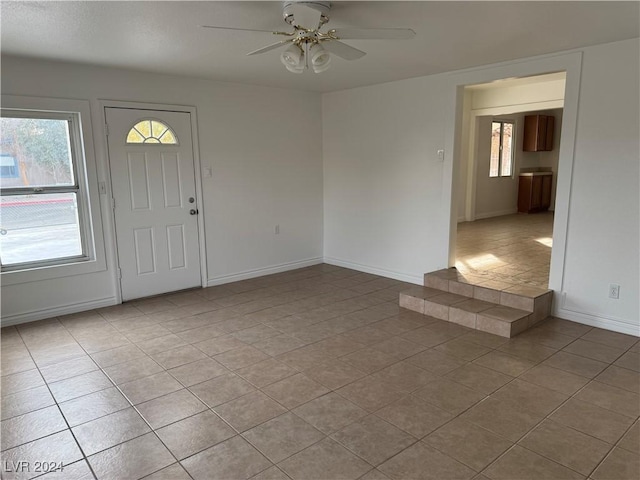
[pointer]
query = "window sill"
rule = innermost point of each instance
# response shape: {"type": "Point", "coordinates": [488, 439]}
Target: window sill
{"type": "Point", "coordinates": [83, 267]}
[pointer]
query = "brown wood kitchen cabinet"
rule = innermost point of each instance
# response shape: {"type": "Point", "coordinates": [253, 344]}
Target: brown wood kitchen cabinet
{"type": "Point", "coordinates": [538, 133]}
{"type": "Point", "coordinates": [534, 192]}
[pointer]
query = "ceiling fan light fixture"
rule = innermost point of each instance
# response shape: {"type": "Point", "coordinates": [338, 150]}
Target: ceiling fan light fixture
{"type": "Point", "coordinates": [293, 59]}
{"type": "Point", "coordinates": [320, 58]}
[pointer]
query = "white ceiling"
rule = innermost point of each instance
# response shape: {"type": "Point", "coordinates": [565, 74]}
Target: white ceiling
{"type": "Point", "coordinates": [164, 37]}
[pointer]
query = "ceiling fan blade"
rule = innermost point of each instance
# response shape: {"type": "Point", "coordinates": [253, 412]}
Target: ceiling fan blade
{"type": "Point", "coordinates": [238, 29]}
{"type": "Point", "coordinates": [373, 33]}
{"type": "Point", "coordinates": [306, 17]}
{"type": "Point", "coordinates": [268, 48]}
{"type": "Point", "coordinates": [343, 50]}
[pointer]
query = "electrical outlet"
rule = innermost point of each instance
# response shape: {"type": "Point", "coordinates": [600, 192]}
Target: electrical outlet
{"type": "Point", "coordinates": [277, 230]}
{"type": "Point", "coordinates": [614, 291]}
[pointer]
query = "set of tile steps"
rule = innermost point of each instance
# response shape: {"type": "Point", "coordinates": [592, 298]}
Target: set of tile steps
{"type": "Point", "coordinates": [449, 295]}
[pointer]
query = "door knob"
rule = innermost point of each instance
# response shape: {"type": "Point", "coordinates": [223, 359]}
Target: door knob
{"type": "Point", "coordinates": [193, 211]}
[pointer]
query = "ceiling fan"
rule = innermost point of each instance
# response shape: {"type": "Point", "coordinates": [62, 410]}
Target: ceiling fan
{"type": "Point", "coordinates": [307, 46]}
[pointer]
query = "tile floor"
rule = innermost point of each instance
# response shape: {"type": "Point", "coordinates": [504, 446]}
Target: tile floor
{"type": "Point", "coordinates": [511, 249]}
{"type": "Point", "coordinates": [313, 374]}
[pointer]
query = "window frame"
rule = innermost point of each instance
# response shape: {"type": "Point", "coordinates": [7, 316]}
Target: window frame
{"type": "Point", "coordinates": [89, 212]}
{"type": "Point", "coordinates": [500, 156]}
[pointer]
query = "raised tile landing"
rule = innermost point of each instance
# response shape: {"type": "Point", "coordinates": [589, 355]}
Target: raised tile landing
{"type": "Point", "coordinates": [491, 307]}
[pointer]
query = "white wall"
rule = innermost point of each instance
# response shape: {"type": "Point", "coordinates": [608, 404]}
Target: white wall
{"type": "Point", "coordinates": [388, 199]}
{"type": "Point", "coordinates": [263, 145]}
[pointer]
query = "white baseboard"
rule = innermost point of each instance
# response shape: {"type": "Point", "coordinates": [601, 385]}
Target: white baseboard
{"type": "Point", "coordinates": [403, 277]}
{"type": "Point", "coordinates": [510, 211]}
{"type": "Point", "coordinates": [615, 325]}
{"type": "Point", "coordinates": [18, 318]}
{"type": "Point", "coordinates": [259, 272]}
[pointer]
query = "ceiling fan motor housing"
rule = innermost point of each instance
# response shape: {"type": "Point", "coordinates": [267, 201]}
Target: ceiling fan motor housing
{"type": "Point", "coordinates": [322, 7]}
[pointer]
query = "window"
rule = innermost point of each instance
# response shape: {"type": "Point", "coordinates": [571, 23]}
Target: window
{"type": "Point", "coordinates": [42, 194]}
{"type": "Point", "coordinates": [151, 131]}
{"type": "Point", "coordinates": [501, 164]}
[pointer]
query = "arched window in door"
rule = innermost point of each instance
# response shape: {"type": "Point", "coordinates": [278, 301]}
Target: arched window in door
{"type": "Point", "coordinates": [151, 131]}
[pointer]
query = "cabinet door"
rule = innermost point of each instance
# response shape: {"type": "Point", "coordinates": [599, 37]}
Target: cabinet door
{"type": "Point", "coordinates": [536, 192]}
{"type": "Point", "coordinates": [545, 201]}
{"type": "Point", "coordinates": [548, 138]}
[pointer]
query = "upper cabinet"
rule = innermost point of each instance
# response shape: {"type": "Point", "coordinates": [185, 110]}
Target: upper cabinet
{"type": "Point", "coordinates": [538, 133]}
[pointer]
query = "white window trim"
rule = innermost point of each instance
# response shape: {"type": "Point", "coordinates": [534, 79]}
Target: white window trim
{"type": "Point", "coordinates": [87, 178]}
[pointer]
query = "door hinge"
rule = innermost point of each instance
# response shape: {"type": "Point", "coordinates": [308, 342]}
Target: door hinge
{"type": "Point", "coordinates": [119, 273]}
{"type": "Point", "coordinates": [106, 129]}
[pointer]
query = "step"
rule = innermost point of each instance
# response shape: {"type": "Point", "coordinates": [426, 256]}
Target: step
{"type": "Point", "coordinates": [469, 312]}
{"type": "Point", "coordinates": [479, 302]}
{"type": "Point", "coordinates": [532, 299]}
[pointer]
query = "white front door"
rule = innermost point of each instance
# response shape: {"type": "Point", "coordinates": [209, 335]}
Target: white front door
{"type": "Point", "coordinates": [156, 212]}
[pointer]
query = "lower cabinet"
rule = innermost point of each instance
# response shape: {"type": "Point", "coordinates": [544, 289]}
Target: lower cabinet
{"type": "Point", "coordinates": [534, 193]}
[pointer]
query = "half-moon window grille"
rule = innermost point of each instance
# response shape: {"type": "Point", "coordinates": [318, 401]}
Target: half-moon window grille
{"type": "Point", "coordinates": [151, 131]}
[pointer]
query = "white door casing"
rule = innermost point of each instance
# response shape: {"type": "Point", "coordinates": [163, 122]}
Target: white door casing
{"type": "Point", "coordinates": [156, 211]}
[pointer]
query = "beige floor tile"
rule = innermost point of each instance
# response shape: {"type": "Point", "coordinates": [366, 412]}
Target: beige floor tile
{"type": "Point", "coordinates": [503, 363]}
{"type": "Point", "coordinates": [484, 338]}
{"type": "Point", "coordinates": [449, 396]}
{"type": "Point", "coordinates": [133, 370]}
{"type": "Point", "coordinates": [76, 471]}
{"type": "Point", "coordinates": [414, 416]}
{"type": "Point", "coordinates": [117, 355]}
{"type": "Point", "coordinates": [530, 397]}
{"type": "Point", "coordinates": [279, 344]}
{"type": "Point", "coordinates": [595, 351]}
{"type": "Point", "coordinates": [241, 357]}
{"type": "Point", "coordinates": [479, 378]}
{"type": "Point", "coordinates": [575, 364]}
{"type": "Point", "coordinates": [172, 472]}
{"type": "Point", "coordinates": [59, 448]}
{"type": "Point", "coordinates": [369, 393]}
{"type": "Point", "coordinates": [232, 459]}
{"type": "Point", "coordinates": [255, 334]}
{"type": "Point", "coordinates": [366, 335]}
{"type": "Point", "coordinates": [31, 426]}
{"type": "Point", "coordinates": [404, 376]}
{"type": "Point", "coordinates": [630, 360]}
{"type": "Point", "coordinates": [421, 462]}
{"type": "Point", "coordinates": [111, 430]}
{"type": "Point", "coordinates": [334, 374]}
{"type": "Point", "coordinates": [161, 344]}
{"type": "Point", "coordinates": [329, 413]}
{"type": "Point", "coordinates": [96, 405]}
{"type": "Point", "coordinates": [527, 349]}
{"type": "Point", "coordinates": [369, 360]}
{"type": "Point", "coordinates": [146, 333]}
{"type": "Point", "coordinates": [592, 420]}
{"type": "Point", "coordinates": [566, 446]}
{"type": "Point", "coordinates": [283, 436]}
{"type": "Point", "coordinates": [325, 459]}
{"type": "Point", "coordinates": [272, 473]}
{"type": "Point", "coordinates": [612, 339]}
{"type": "Point", "coordinates": [505, 419]}
{"type": "Point", "coordinates": [339, 346]}
{"type": "Point", "coordinates": [197, 372]}
{"type": "Point", "coordinates": [170, 408]}
{"type": "Point", "coordinates": [25, 401]}
{"type": "Point", "coordinates": [436, 362]}
{"type": "Point", "coordinates": [554, 379]}
{"type": "Point", "coordinates": [222, 389]}
{"type": "Point", "coordinates": [621, 378]}
{"type": "Point", "coordinates": [266, 372]}
{"type": "Point", "coordinates": [304, 358]}
{"type": "Point", "coordinates": [373, 439]}
{"type": "Point", "coordinates": [68, 369]}
{"type": "Point", "coordinates": [398, 348]}
{"type": "Point", "coordinates": [79, 386]}
{"type": "Point", "coordinates": [133, 459]}
{"type": "Point", "coordinates": [295, 390]}
{"type": "Point", "coordinates": [523, 464]}
{"type": "Point", "coordinates": [611, 398]}
{"type": "Point", "coordinates": [468, 443]}
{"type": "Point", "coordinates": [177, 357]}
{"type": "Point", "coordinates": [467, 351]}
{"type": "Point", "coordinates": [149, 388]}
{"type": "Point", "coordinates": [248, 411]}
{"type": "Point", "coordinates": [194, 434]}
{"type": "Point", "coordinates": [546, 337]}
{"type": "Point", "coordinates": [18, 382]}
{"type": "Point", "coordinates": [631, 440]}
{"type": "Point", "coordinates": [619, 465]}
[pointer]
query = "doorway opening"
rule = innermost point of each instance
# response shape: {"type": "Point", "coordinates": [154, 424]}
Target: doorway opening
{"type": "Point", "coordinates": [508, 177]}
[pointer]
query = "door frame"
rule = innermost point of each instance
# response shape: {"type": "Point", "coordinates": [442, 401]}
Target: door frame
{"type": "Point", "coordinates": [110, 239]}
{"type": "Point", "coordinates": [571, 63]}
